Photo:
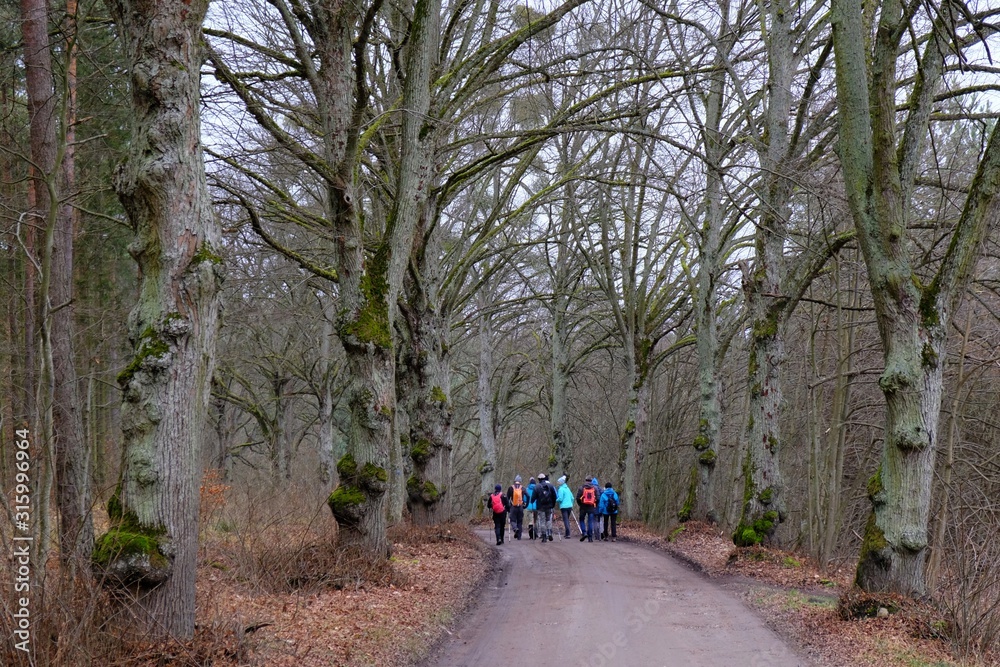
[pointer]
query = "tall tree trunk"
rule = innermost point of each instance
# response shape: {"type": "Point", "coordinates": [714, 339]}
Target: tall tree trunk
{"type": "Point", "coordinates": [954, 435]}
{"type": "Point", "coordinates": [42, 130]}
{"type": "Point", "coordinates": [912, 316]}
{"type": "Point", "coordinates": [425, 375]}
{"type": "Point", "coordinates": [700, 502]}
{"type": "Point", "coordinates": [325, 426]}
{"type": "Point", "coordinates": [364, 320]}
{"type": "Point", "coordinates": [763, 507]}
{"type": "Point", "coordinates": [562, 455]}
{"type": "Point", "coordinates": [151, 548]}
{"type": "Point", "coordinates": [484, 400]}
{"type": "Point", "coordinates": [76, 530]}
{"type": "Point", "coordinates": [369, 290]}
{"type": "Point", "coordinates": [280, 435]}
{"type": "Point", "coordinates": [836, 446]}
{"type": "Point", "coordinates": [633, 438]}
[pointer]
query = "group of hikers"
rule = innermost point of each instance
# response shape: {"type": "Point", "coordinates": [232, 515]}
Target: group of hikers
{"type": "Point", "coordinates": [537, 502]}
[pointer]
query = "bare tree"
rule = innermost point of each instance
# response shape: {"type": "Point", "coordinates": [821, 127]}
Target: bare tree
{"type": "Point", "coordinates": [151, 548]}
{"type": "Point", "coordinates": [913, 310]}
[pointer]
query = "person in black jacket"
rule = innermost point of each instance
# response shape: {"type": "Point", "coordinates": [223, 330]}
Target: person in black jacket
{"type": "Point", "coordinates": [546, 502]}
{"type": "Point", "coordinates": [498, 501]}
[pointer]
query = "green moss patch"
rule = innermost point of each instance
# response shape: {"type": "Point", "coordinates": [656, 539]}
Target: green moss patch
{"type": "Point", "coordinates": [347, 467]}
{"type": "Point", "coordinates": [422, 491]}
{"type": "Point", "coordinates": [371, 325]}
{"type": "Point", "coordinates": [438, 395]}
{"type": "Point", "coordinates": [346, 503]}
{"type": "Point", "coordinates": [130, 556]}
{"type": "Point", "coordinates": [206, 254]}
{"type": "Point", "coordinates": [119, 542]}
{"type": "Point", "coordinates": [150, 345]}
{"type": "Point", "coordinates": [421, 452]}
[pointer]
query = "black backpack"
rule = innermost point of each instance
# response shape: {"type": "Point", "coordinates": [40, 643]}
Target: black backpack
{"type": "Point", "coordinates": [611, 505]}
{"type": "Point", "coordinates": [545, 494]}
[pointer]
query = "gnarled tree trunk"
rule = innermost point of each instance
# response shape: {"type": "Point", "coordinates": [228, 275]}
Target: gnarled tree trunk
{"type": "Point", "coordinates": [151, 547]}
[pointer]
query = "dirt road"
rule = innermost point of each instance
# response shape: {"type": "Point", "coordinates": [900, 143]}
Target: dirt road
{"type": "Point", "coordinates": [569, 603]}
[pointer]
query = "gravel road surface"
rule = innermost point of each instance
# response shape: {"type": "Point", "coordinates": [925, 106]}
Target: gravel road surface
{"type": "Point", "coordinates": [607, 603]}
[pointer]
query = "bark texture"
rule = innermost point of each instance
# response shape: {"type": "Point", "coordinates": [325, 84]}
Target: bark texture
{"type": "Point", "coordinates": [151, 547]}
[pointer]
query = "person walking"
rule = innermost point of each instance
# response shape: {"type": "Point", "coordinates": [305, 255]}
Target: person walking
{"type": "Point", "coordinates": [500, 506]}
{"type": "Point", "coordinates": [546, 502]}
{"type": "Point", "coordinates": [597, 507]}
{"type": "Point", "coordinates": [587, 498]}
{"type": "Point", "coordinates": [518, 497]}
{"type": "Point", "coordinates": [565, 499]}
{"type": "Point", "coordinates": [608, 507]}
{"type": "Point", "coordinates": [532, 508]}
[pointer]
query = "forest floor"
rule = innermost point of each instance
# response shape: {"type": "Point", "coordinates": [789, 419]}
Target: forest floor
{"type": "Point", "coordinates": [336, 611]}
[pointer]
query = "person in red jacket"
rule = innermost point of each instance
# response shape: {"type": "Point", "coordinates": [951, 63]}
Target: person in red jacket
{"type": "Point", "coordinates": [587, 497]}
{"type": "Point", "coordinates": [499, 505]}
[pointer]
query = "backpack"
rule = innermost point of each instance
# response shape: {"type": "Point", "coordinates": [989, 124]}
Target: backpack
{"type": "Point", "coordinates": [588, 497]}
{"type": "Point", "coordinates": [518, 498]}
{"type": "Point", "coordinates": [545, 494]}
{"type": "Point", "coordinates": [496, 501]}
{"type": "Point", "coordinates": [612, 504]}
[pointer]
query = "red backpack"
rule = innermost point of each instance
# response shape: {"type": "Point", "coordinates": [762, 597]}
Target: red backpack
{"type": "Point", "coordinates": [496, 501]}
{"type": "Point", "coordinates": [589, 496]}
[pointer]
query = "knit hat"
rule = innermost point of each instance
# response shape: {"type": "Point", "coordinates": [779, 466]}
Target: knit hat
{"type": "Point", "coordinates": [517, 478]}
{"type": "Point", "coordinates": [498, 488]}
{"type": "Point", "coordinates": [542, 476]}
{"type": "Point", "coordinates": [562, 480]}
{"type": "Point", "coordinates": [588, 479]}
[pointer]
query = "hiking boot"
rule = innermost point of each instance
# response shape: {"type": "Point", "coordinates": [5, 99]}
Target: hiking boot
{"type": "Point", "coordinates": [583, 537]}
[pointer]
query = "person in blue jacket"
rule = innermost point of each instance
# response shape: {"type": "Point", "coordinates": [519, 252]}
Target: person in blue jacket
{"type": "Point", "coordinates": [608, 507]}
{"type": "Point", "coordinates": [565, 499]}
{"type": "Point", "coordinates": [532, 508]}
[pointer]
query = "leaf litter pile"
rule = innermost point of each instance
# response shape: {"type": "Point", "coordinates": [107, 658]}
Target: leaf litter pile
{"type": "Point", "coordinates": [815, 611]}
{"type": "Point", "coordinates": [311, 605]}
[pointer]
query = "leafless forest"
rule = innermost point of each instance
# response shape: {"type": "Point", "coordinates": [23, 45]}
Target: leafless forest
{"type": "Point", "coordinates": [369, 259]}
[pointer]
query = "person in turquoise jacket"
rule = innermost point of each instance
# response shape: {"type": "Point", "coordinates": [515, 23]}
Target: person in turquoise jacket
{"type": "Point", "coordinates": [565, 499]}
{"type": "Point", "coordinates": [608, 507]}
{"type": "Point", "coordinates": [531, 508]}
